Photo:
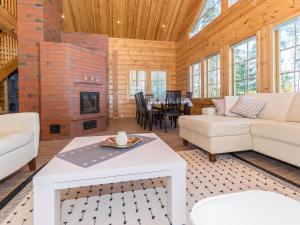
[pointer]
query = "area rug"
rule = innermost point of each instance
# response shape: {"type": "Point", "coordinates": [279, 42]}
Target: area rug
{"type": "Point", "coordinates": [143, 202]}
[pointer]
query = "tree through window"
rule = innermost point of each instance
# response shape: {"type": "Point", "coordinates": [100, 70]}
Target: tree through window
{"type": "Point", "coordinates": [159, 84]}
{"type": "Point", "coordinates": [210, 11]}
{"type": "Point", "coordinates": [138, 81]}
{"type": "Point", "coordinates": [288, 57]}
{"type": "Point", "coordinates": [195, 80]}
{"type": "Point", "coordinates": [244, 67]}
{"type": "Point", "coordinates": [213, 78]}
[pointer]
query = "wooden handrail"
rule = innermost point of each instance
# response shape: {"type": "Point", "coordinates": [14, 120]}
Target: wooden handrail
{"type": "Point", "coordinates": [8, 68]}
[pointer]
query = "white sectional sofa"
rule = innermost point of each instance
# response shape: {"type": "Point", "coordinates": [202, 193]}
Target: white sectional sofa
{"type": "Point", "coordinates": [275, 133]}
{"type": "Point", "coordinates": [19, 141]}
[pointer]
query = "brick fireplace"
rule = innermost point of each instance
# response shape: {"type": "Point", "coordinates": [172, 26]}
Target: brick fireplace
{"type": "Point", "coordinates": [56, 68]}
{"type": "Point", "coordinates": [68, 71]}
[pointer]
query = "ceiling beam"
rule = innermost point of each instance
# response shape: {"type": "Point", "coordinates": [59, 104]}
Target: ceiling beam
{"type": "Point", "coordinates": [8, 23]}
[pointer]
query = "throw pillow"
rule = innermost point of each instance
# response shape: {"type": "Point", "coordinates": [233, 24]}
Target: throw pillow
{"type": "Point", "coordinates": [229, 103]}
{"type": "Point", "coordinates": [220, 106]}
{"type": "Point", "coordinates": [248, 107]}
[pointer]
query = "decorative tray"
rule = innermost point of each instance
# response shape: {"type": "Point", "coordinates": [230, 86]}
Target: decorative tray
{"type": "Point", "coordinates": [111, 142]}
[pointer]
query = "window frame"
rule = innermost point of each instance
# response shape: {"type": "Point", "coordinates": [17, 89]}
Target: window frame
{"type": "Point", "coordinates": [277, 60]}
{"type": "Point", "coordinates": [231, 4]}
{"type": "Point", "coordinates": [200, 16]}
{"type": "Point", "coordinates": [150, 83]}
{"type": "Point", "coordinates": [232, 67]}
{"type": "Point", "coordinates": [206, 71]}
{"type": "Point", "coordinates": [191, 80]}
{"type": "Point", "coordinates": [137, 80]}
{"type": "Point", "coordinates": [147, 80]}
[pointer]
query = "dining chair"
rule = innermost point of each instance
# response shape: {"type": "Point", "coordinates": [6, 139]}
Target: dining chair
{"type": "Point", "coordinates": [137, 113]}
{"type": "Point", "coordinates": [189, 95]}
{"type": "Point", "coordinates": [172, 108]}
{"type": "Point", "coordinates": [149, 97]}
{"type": "Point", "coordinates": [148, 116]}
{"type": "Point", "coordinates": [142, 109]}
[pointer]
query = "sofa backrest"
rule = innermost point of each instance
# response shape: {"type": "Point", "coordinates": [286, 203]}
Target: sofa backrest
{"type": "Point", "coordinates": [277, 105]}
{"type": "Point", "coordinates": [294, 110]}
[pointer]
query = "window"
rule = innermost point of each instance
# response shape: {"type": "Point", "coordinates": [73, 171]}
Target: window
{"type": "Point", "coordinates": [288, 56]}
{"type": "Point", "coordinates": [244, 67]}
{"type": "Point", "coordinates": [213, 78]}
{"type": "Point", "coordinates": [138, 81]}
{"type": "Point", "coordinates": [210, 11]}
{"type": "Point", "coordinates": [159, 84]}
{"type": "Point", "coordinates": [195, 80]}
{"type": "Point", "coordinates": [231, 2]}
{"type": "Point", "coordinates": [155, 84]}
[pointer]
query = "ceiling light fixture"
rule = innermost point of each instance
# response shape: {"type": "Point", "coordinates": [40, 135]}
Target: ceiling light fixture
{"type": "Point", "coordinates": [163, 26]}
{"type": "Point", "coordinates": [118, 22]}
{"type": "Point", "coordinates": [63, 16]}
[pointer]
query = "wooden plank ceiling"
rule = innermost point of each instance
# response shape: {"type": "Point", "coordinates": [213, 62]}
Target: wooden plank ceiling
{"type": "Point", "coordinates": [135, 19]}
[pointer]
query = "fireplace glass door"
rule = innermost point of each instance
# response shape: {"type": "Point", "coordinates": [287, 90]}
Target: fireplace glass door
{"type": "Point", "coordinates": [89, 102]}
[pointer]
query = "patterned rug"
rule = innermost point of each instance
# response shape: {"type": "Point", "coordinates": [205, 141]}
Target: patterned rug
{"type": "Point", "coordinates": [143, 202]}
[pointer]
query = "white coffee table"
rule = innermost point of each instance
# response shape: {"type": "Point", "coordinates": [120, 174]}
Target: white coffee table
{"type": "Point", "coordinates": [152, 160]}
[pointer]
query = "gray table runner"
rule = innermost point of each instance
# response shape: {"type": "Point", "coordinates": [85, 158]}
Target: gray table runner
{"type": "Point", "coordinates": [93, 154]}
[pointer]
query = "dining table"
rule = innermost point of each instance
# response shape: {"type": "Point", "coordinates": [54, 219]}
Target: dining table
{"type": "Point", "coordinates": [160, 104]}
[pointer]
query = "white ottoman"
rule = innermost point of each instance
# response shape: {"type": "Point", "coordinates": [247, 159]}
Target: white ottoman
{"type": "Point", "coordinates": [247, 208]}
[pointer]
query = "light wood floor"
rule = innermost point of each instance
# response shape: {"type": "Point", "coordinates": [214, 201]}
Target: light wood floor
{"type": "Point", "coordinates": [275, 167]}
{"type": "Point", "coordinates": [49, 148]}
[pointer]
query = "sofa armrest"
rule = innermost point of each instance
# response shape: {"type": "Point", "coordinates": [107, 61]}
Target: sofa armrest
{"type": "Point", "coordinates": [20, 121]}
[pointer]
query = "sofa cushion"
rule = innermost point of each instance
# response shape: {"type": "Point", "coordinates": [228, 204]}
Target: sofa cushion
{"type": "Point", "coordinates": [216, 126]}
{"type": "Point", "coordinates": [248, 107]}
{"type": "Point", "coordinates": [220, 106]}
{"type": "Point", "coordinates": [230, 101]}
{"type": "Point", "coordinates": [12, 140]}
{"type": "Point", "coordinates": [277, 105]}
{"type": "Point", "coordinates": [287, 132]}
{"type": "Point", "coordinates": [294, 110]}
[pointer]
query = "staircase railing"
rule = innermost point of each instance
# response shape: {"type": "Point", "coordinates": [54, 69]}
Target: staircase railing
{"type": "Point", "coordinates": [10, 6]}
{"type": "Point", "coordinates": [8, 48]}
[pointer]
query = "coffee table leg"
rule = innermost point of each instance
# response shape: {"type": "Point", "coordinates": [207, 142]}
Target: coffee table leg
{"type": "Point", "coordinates": [46, 205]}
{"type": "Point", "coordinates": [177, 197]}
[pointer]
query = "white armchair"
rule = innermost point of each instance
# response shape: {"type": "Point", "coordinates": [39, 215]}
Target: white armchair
{"type": "Point", "coordinates": [19, 142]}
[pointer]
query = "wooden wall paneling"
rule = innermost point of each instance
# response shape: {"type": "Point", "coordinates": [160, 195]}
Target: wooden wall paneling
{"type": "Point", "coordinates": [260, 60]}
{"type": "Point", "coordinates": [224, 5]}
{"type": "Point", "coordinates": [115, 83]}
{"type": "Point", "coordinates": [225, 70]}
{"type": "Point", "coordinates": [3, 97]}
{"type": "Point", "coordinates": [244, 19]}
{"type": "Point", "coordinates": [137, 55]}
